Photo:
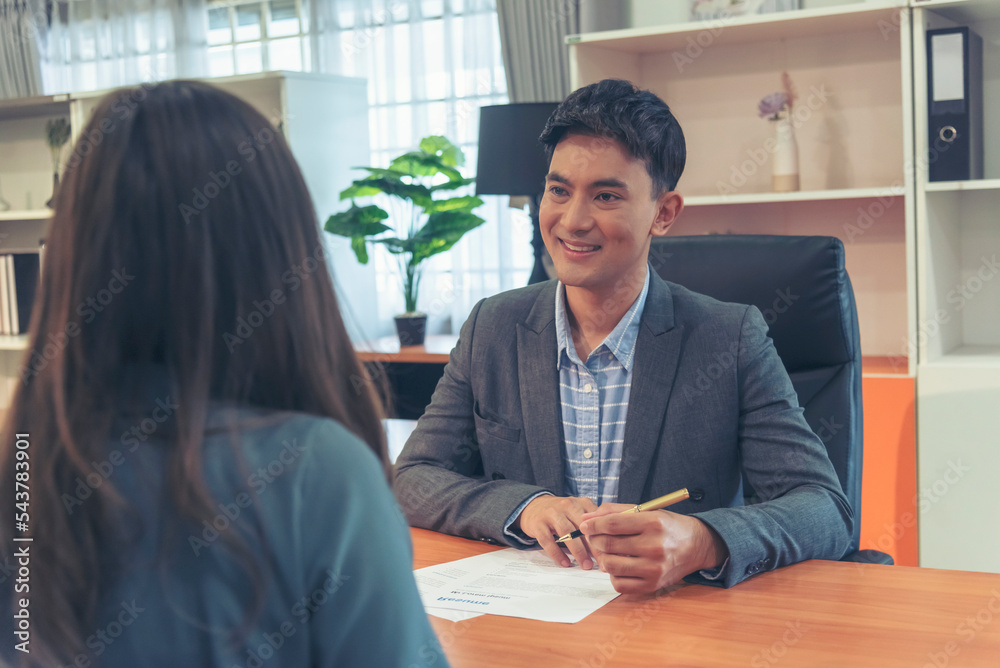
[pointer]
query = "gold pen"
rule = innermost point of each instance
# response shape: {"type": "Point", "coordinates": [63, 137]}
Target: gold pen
{"type": "Point", "coordinates": [655, 504]}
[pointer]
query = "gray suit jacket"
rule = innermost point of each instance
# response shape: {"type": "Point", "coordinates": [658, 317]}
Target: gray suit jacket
{"type": "Point", "coordinates": [710, 400]}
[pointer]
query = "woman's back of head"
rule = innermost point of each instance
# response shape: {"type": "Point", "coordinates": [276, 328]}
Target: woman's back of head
{"type": "Point", "coordinates": [183, 239]}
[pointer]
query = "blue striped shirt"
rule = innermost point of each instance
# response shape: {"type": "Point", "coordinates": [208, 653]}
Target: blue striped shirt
{"type": "Point", "coordinates": [594, 418]}
{"type": "Point", "coordinates": [594, 396]}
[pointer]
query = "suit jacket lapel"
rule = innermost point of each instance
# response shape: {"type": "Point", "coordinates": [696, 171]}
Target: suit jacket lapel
{"type": "Point", "coordinates": [539, 386]}
{"type": "Point", "coordinates": [657, 351]}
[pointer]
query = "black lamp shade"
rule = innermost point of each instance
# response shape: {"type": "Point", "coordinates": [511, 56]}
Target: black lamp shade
{"type": "Point", "coordinates": [511, 159]}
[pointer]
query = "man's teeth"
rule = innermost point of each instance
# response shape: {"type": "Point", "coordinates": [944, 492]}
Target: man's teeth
{"type": "Point", "coordinates": [580, 249]}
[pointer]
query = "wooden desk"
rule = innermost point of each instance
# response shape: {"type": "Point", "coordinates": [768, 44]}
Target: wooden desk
{"type": "Point", "coordinates": [435, 350]}
{"type": "Point", "coordinates": [412, 372]}
{"type": "Point", "coordinates": [817, 613]}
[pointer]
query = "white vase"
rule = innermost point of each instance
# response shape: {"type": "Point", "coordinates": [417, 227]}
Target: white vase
{"type": "Point", "coordinates": [785, 162]}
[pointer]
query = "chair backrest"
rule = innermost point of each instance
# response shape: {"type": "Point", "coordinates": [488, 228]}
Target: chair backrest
{"type": "Point", "coordinates": [802, 288]}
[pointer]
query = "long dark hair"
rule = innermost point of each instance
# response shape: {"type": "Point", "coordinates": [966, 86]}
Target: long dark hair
{"type": "Point", "coordinates": [181, 216]}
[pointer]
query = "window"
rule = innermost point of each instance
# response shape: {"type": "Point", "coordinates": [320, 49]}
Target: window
{"type": "Point", "coordinates": [430, 65]}
{"type": "Point", "coordinates": [256, 36]}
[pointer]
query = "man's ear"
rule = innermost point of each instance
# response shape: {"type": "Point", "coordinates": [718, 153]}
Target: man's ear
{"type": "Point", "coordinates": [668, 207]}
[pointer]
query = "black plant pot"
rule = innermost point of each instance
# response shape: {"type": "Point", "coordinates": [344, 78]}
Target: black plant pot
{"type": "Point", "coordinates": [411, 329]}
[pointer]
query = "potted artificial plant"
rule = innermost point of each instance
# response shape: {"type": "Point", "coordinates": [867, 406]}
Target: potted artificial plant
{"type": "Point", "coordinates": [427, 222]}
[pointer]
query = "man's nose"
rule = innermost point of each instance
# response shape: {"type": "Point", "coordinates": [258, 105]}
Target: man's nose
{"type": "Point", "coordinates": [577, 216]}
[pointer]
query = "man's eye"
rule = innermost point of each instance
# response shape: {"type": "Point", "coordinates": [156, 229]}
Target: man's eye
{"type": "Point", "coordinates": [607, 197]}
{"type": "Point", "coordinates": [556, 190]}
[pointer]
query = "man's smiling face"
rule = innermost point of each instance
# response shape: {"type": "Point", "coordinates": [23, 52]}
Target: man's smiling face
{"type": "Point", "coordinates": [598, 214]}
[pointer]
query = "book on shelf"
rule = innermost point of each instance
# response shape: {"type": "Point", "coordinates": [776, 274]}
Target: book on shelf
{"type": "Point", "coordinates": [19, 276]}
{"type": "Point", "coordinates": [4, 309]}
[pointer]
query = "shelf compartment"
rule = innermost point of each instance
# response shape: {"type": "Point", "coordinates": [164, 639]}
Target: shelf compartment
{"type": "Point", "coordinates": [963, 11]}
{"type": "Point", "coordinates": [969, 356]}
{"type": "Point", "coordinates": [959, 278]}
{"type": "Point", "coordinates": [845, 62]}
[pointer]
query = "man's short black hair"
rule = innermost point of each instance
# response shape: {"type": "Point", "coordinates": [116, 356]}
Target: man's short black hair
{"type": "Point", "coordinates": [639, 120]}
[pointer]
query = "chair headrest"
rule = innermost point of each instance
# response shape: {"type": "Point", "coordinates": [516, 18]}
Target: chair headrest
{"type": "Point", "coordinates": [799, 284]}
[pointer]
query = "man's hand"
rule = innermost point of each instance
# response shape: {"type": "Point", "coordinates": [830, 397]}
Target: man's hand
{"type": "Point", "coordinates": [557, 515]}
{"type": "Point", "coordinates": [645, 552]}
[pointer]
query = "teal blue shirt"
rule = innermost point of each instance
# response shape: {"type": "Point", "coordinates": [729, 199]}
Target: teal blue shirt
{"type": "Point", "coordinates": [341, 589]}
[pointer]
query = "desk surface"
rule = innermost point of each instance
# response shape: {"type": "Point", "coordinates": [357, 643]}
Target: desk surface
{"type": "Point", "coordinates": [435, 350]}
{"type": "Point", "coordinates": [817, 613]}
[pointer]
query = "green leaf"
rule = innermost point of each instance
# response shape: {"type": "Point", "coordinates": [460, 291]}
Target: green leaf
{"type": "Point", "coordinates": [360, 249]}
{"type": "Point", "coordinates": [418, 163]}
{"type": "Point", "coordinates": [389, 185]}
{"type": "Point", "coordinates": [454, 184]}
{"type": "Point", "coordinates": [388, 173]}
{"type": "Point", "coordinates": [396, 246]}
{"type": "Point", "coordinates": [441, 232]}
{"type": "Point", "coordinates": [450, 154]}
{"type": "Point", "coordinates": [358, 221]}
{"type": "Point", "coordinates": [464, 204]}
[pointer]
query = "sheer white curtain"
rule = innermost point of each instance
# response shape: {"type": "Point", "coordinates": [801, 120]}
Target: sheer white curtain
{"type": "Point", "coordinates": [21, 26]}
{"type": "Point", "coordinates": [430, 65]}
{"type": "Point", "coordinates": [96, 44]}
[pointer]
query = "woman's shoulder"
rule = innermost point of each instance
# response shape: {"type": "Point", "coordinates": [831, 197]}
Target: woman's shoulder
{"type": "Point", "coordinates": [278, 440]}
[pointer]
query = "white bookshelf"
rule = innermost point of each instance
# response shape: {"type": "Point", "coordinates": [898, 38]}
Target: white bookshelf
{"type": "Point", "coordinates": [15, 216]}
{"type": "Point", "coordinates": [948, 186]}
{"type": "Point", "coordinates": [797, 196]}
{"type": "Point", "coordinates": [958, 283]}
{"type": "Point", "coordinates": [13, 342]}
{"type": "Point", "coordinates": [851, 66]}
{"type": "Point", "coordinates": [324, 118]}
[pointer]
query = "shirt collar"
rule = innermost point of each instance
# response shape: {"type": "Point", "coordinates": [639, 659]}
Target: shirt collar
{"type": "Point", "coordinates": [620, 342]}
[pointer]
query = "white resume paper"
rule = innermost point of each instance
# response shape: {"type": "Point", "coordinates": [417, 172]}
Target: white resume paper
{"type": "Point", "coordinates": [514, 583]}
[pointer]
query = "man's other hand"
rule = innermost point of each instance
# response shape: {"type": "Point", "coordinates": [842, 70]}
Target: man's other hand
{"type": "Point", "coordinates": [557, 515]}
{"type": "Point", "coordinates": [644, 552]}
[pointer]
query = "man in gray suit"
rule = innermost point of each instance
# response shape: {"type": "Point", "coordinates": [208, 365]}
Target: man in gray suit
{"type": "Point", "coordinates": [611, 386]}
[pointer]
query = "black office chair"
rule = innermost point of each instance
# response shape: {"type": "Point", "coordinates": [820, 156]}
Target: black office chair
{"type": "Point", "coordinates": [802, 288]}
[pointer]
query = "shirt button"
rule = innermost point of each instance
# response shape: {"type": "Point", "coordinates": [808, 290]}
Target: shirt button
{"type": "Point", "coordinates": [588, 453]}
{"type": "Point", "coordinates": [588, 387]}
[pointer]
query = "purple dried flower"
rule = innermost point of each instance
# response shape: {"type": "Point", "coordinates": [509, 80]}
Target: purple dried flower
{"type": "Point", "coordinates": [772, 104]}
